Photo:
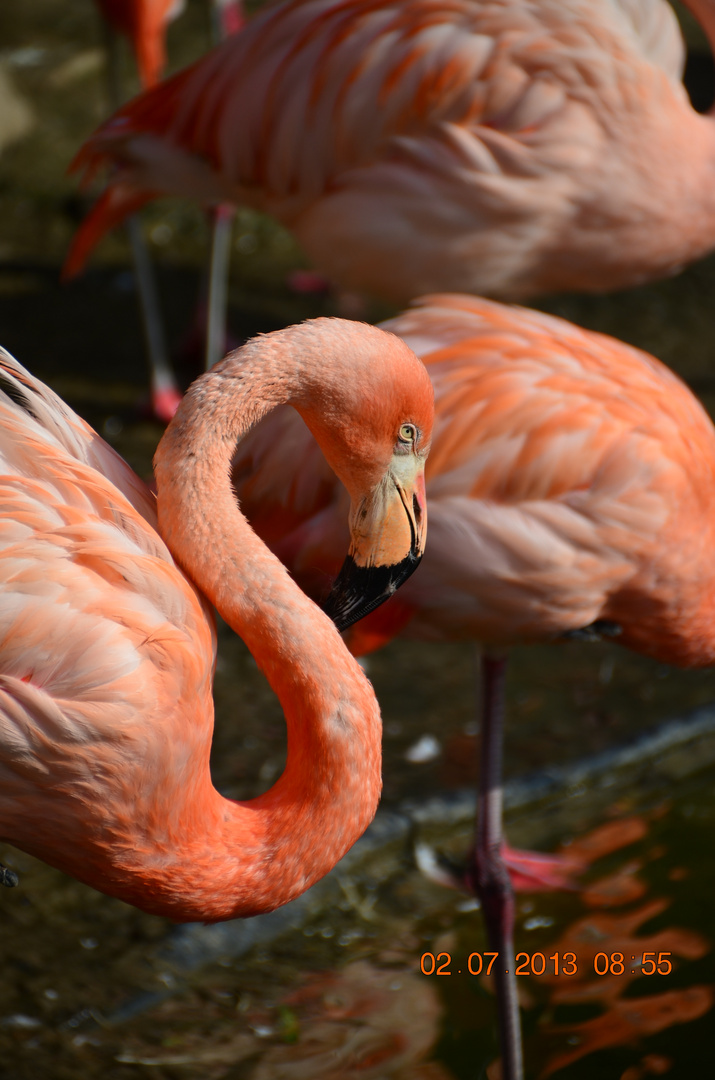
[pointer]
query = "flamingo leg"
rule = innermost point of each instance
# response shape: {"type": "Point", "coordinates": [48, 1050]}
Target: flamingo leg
{"type": "Point", "coordinates": [218, 284]}
{"type": "Point", "coordinates": [226, 18]}
{"type": "Point", "coordinates": [488, 875]}
{"type": "Point", "coordinates": [165, 394]}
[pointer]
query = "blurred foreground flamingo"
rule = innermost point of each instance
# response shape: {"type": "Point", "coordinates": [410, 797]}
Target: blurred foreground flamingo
{"type": "Point", "coordinates": [502, 147]}
{"type": "Point", "coordinates": [108, 645]}
{"type": "Point", "coordinates": [571, 486]}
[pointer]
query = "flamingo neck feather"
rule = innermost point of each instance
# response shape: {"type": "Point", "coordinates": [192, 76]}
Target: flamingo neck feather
{"type": "Point", "coordinates": [247, 857]}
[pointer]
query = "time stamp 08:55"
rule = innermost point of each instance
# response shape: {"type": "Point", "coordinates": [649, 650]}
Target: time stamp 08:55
{"type": "Point", "coordinates": [538, 963]}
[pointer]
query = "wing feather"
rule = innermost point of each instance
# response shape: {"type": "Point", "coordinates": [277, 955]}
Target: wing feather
{"type": "Point", "coordinates": [312, 88]}
{"type": "Point", "coordinates": [493, 146]}
{"type": "Point", "coordinates": [99, 628]}
{"type": "Point", "coordinates": [566, 472]}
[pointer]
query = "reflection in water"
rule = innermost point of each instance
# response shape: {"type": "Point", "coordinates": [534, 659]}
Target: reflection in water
{"type": "Point", "coordinates": [361, 1022]}
{"type": "Point", "coordinates": [610, 943]}
{"type": "Point", "coordinates": [628, 1021]}
{"type": "Point", "coordinates": [369, 1012]}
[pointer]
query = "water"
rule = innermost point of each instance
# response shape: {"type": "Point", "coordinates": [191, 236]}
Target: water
{"type": "Point", "coordinates": [353, 991]}
{"type": "Point", "coordinates": [342, 994]}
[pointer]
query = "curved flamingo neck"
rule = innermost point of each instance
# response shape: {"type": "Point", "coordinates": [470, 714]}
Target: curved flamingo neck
{"type": "Point", "coordinates": [252, 856]}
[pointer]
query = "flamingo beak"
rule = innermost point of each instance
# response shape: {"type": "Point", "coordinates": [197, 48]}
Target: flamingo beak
{"type": "Point", "coordinates": [388, 530]}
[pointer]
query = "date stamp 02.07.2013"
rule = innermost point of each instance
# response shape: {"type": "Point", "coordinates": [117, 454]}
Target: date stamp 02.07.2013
{"type": "Point", "coordinates": [537, 963]}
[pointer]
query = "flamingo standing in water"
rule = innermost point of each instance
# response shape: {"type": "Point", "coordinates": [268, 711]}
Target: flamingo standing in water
{"type": "Point", "coordinates": [505, 147]}
{"type": "Point", "coordinates": [571, 486]}
{"type": "Point", "coordinates": [108, 645]}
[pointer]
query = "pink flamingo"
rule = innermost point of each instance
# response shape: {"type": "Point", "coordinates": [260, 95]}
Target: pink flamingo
{"type": "Point", "coordinates": [571, 484]}
{"type": "Point", "coordinates": [144, 23]}
{"type": "Point", "coordinates": [502, 147]}
{"type": "Point", "coordinates": [108, 645]}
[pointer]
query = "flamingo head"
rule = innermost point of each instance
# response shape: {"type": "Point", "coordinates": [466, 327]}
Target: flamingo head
{"type": "Point", "coordinates": [378, 448]}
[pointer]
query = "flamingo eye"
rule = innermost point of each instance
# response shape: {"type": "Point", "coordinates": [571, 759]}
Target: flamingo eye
{"type": "Point", "coordinates": [408, 433]}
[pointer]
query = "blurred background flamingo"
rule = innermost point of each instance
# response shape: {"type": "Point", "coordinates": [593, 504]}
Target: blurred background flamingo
{"type": "Point", "coordinates": [144, 23]}
{"type": "Point", "coordinates": [106, 710]}
{"type": "Point", "coordinates": [505, 148]}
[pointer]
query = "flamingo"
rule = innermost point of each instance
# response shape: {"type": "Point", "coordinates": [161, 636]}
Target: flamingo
{"type": "Point", "coordinates": [571, 485]}
{"type": "Point", "coordinates": [505, 147]}
{"type": "Point", "coordinates": [108, 643]}
{"type": "Point", "coordinates": [144, 23]}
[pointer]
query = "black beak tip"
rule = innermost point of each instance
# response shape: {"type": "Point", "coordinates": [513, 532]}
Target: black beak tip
{"type": "Point", "coordinates": [358, 590]}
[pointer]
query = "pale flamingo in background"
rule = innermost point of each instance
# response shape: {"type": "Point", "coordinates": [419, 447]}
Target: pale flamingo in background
{"type": "Point", "coordinates": [108, 645]}
{"type": "Point", "coordinates": [502, 147]}
{"type": "Point", "coordinates": [571, 486]}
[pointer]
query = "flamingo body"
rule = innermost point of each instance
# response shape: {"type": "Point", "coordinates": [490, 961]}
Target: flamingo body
{"type": "Point", "coordinates": [502, 147]}
{"type": "Point", "coordinates": [571, 479]}
{"type": "Point", "coordinates": [107, 647]}
{"type": "Point", "coordinates": [571, 482]}
{"type": "Point", "coordinates": [100, 629]}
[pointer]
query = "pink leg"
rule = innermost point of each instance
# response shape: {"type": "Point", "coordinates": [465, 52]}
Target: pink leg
{"type": "Point", "coordinates": [487, 874]}
{"type": "Point", "coordinates": [165, 393]}
{"type": "Point", "coordinates": [226, 18]}
{"type": "Point", "coordinates": [218, 284]}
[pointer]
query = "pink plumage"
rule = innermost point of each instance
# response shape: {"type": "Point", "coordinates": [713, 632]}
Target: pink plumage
{"type": "Point", "coordinates": [488, 146]}
{"type": "Point", "coordinates": [571, 479]}
{"type": "Point", "coordinates": [107, 645]}
{"type": "Point", "coordinates": [144, 22]}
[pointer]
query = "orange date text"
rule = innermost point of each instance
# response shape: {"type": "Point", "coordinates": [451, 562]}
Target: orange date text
{"type": "Point", "coordinates": [483, 963]}
{"type": "Point", "coordinates": [538, 963]}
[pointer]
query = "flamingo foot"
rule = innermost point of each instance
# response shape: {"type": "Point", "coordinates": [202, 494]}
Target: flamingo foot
{"type": "Point", "coordinates": [8, 878]}
{"type": "Point", "coordinates": [165, 402]}
{"type": "Point", "coordinates": [532, 871]}
{"type": "Point", "coordinates": [305, 282]}
{"type": "Point", "coordinates": [529, 871]}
